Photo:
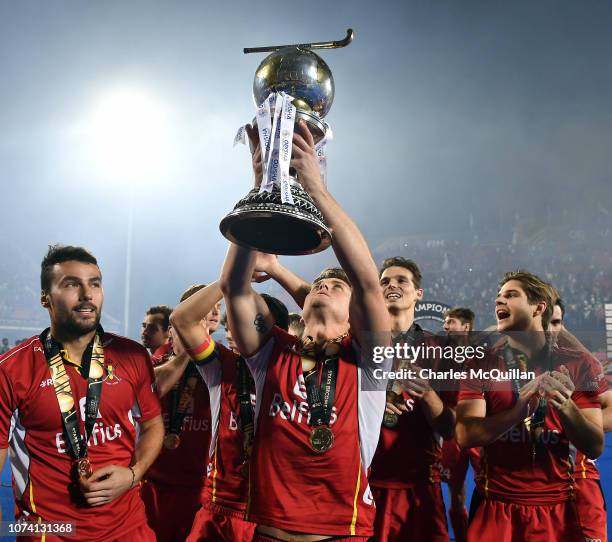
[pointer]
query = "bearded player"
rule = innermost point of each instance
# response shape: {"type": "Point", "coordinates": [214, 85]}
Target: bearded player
{"type": "Point", "coordinates": [405, 474]}
{"type": "Point", "coordinates": [70, 401]}
{"type": "Point", "coordinates": [527, 426]}
{"type": "Point", "coordinates": [590, 501]}
{"type": "Point", "coordinates": [317, 424]}
{"type": "Point", "coordinates": [155, 332]}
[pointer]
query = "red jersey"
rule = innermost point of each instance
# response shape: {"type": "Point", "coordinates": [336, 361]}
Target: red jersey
{"type": "Point", "coordinates": [411, 452]}
{"type": "Point", "coordinates": [509, 471]}
{"type": "Point", "coordinates": [583, 466]}
{"type": "Point", "coordinates": [186, 465]}
{"type": "Point", "coordinates": [225, 485]}
{"type": "Point", "coordinates": [292, 487]}
{"type": "Point", "coordinates": [455, 462]}
{"type": "Point", "coordinates": [161, 353]}
{"type": "Point", "coordinates": [31, 426]}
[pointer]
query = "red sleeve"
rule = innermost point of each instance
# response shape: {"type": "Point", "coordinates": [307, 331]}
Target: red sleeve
{"type": "Point", "coordinates": [473, 387]}
{"type": "Point", "coordinates": [8, 404]}
{"type": "Point", "coordinates": [466, 393]}
{"type": "Point", "coordinates": [604, 385]}
{"type": "Point", "coordinates": [590, 382]}
{"type": "Point", "coordinates": [147, 399]}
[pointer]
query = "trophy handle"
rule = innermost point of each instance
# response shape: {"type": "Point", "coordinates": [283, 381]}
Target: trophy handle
{"type": "Point", "coordinates": [319, 45]}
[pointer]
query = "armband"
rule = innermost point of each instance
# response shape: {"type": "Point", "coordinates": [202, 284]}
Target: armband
{"type": "Point", "coordinates": [203, 352]}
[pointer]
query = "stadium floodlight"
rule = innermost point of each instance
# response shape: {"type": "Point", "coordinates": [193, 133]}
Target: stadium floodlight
{"type": "Point", "coordinates": [130, 136]}
{"type": "Point", "coordinates": [129, 141]}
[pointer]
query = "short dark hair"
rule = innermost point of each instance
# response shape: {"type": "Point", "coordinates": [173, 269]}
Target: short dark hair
{"type": "Point", "coordinates": [191, 290]}
{"type": "Point", "coordinates": [165, 311]}
{"type": "Point", "coordinates": [60, 254]}
{"type": "Point", "coordinates": [536, 289]}
{"type": "Point", "coordinates": [399, 261]}
{"type": "Point", "coordinates": [465, 315]}
{"type": "Point", "coordinates": [332, 273]}
{"type": "Point", "coordinates": [279, 311]}
{"type": "Point", "coordinates": [296, 320]}
{"type": "Point", "coordinates": [561, 306]}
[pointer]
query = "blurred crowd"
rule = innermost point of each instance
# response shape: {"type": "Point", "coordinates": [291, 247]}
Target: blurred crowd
{"type": "Point", "coordinates": [464, 270]}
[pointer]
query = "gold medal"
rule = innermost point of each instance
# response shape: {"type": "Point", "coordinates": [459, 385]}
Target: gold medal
{"type": "Point", "coordinates": [172, 441]}
{"type": "Point", "coordinates": [332, 349]}
{"type": "Point", "coordinates": [390, 420]}
{"type": "Point", "coordinates": [66, 402]}
{"type": "Point", "coordinates": [96, 371]}
{"type": "Point", "coordinates": [321, 439]}
{"type": "Point", "coordinates": [84, 470]}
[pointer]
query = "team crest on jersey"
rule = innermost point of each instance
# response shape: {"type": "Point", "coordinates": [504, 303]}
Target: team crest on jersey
{"type": "Point", "coordinates": [111, 378]}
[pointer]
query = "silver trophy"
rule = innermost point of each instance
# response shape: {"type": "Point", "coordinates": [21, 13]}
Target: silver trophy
{"type": "Point", "coordinates": [261, 220]}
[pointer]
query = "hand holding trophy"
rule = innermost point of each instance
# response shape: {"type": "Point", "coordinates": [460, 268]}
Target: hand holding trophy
{"type": "Point", "coordinates": [292, 86]}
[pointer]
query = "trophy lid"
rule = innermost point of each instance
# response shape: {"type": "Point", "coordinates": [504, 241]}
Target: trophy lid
{"type": "Point", "coordinates": [299, 73]}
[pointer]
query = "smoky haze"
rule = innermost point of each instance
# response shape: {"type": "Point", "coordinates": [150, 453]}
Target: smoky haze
{"type": "Point", "coordinates": [461, 129]}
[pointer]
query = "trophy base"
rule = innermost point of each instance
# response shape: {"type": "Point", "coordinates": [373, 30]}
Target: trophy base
{"type": "Point", "coordinates": [262, 222]}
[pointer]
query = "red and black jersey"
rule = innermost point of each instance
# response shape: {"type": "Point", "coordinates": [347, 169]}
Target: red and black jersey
{"type": "Point", "coordinates": [186, 465]}
{"type": "Point", "coordinates": [519, 467]}
{"type": "Point", "coordinates": [31, 427]}
{"type": "Point", "coordinates": [226, 484]}
{"type": "Point", "coordinates": [293, 487]}
{"type": "Point", "coordinates": [411, 452]}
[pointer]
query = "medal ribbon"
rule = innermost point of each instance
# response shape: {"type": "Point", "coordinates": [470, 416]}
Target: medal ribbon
{"type": "Point", "coordinates": [536, 419]}
{"type": "Point", "coordinates": [408, 337]}
{"type": "Point", "coordinates": [247, 423]}
{"type": "Point", "coordinates": [180, 397]}
{"type": "Point", "coordinates": [61, 383]}
{"type": "Point", "coordinates": [321, 396]}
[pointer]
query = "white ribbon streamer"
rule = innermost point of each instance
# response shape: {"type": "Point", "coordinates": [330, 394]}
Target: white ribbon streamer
{"type": "Point", "coordinates": [276, 140]}
{"type": "Point", "coordinates": [241, 136]}
{"type": "Point", "coordinates": [320, 151]}
{"type": "Point", "coordinates": [286, 143]}
{"type": "Point", "coordinates": [271, 167]}
{"type": "Point", "coordinates": [264, 127]}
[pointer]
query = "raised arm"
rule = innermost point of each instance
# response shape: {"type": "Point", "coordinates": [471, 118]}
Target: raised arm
{"type": "Point", "coordinates": [190, 332]}
{"type": "Point", "coordinates": [267, 266]}
{"type": "Point", "coordinates": [368, 314]}
{"type": "Point", "coordinates": [248, 315]}
{"type": "Point", "coordinates": [186, 318]}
